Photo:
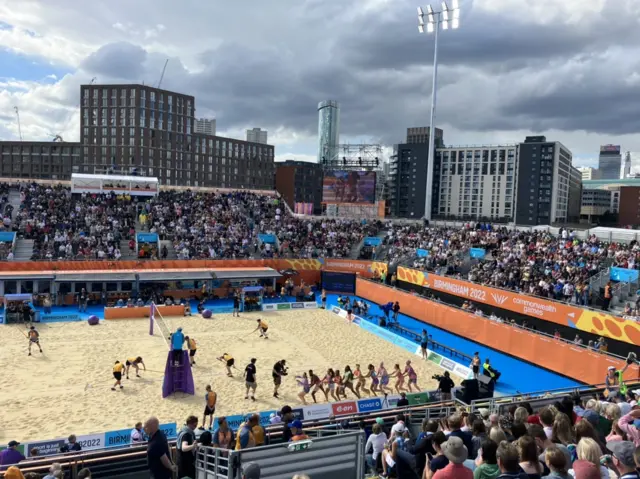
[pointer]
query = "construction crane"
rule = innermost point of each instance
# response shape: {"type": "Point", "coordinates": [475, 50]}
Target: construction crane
{"type": "Point", "coordinates": [58, 139]}
{"type": "Point", "coordinates": [162, 76]}
{"type": "Point", "coordinates": [19, 127]}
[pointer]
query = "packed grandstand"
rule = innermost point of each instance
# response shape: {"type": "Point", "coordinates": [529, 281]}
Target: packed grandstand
{"type": "Point", "coordinates": [581, 433]}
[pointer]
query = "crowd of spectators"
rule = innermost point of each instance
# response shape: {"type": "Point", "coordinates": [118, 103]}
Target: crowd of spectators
{"type": "Point", "coordinates": [556, 267]}
{"type": "Point", "coordinates": [63, 226]}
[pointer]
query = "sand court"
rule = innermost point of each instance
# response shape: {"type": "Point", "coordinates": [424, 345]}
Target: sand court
{"type": "Point", "coordinates": [67, 389]}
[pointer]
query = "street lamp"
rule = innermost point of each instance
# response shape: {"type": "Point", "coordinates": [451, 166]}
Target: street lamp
{"type": "Point", "coordinates": [448, 18]}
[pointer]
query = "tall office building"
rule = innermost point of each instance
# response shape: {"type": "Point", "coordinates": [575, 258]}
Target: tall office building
{"type": "Point", "coordinates": [205, 126]}
{"type": "Point", "coordinates": [610, 162]}
{"type": "Point", "coordinates": [476, 183]}
{"type": "Point", "coordinates": [407, 179]}
{"type": "Point", "coordinates": [257, 135]}
{"type": "Point", "coordinates": [328, 129]}
{"type": "Point", "coordinates": [549, 188]}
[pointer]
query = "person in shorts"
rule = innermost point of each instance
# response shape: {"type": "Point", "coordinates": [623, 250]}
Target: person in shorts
{"type": "Point", "coordinates": [279, 370]}
{"type": "Point", "coordinates": [263, 327]}
{"type": "Point", "coordinates": [475, 365]}
{"type": "Point", "coordinates": [236, 305]}
{"type": "Point", "coordinates": [210, 399]}
{"type": "Point", "coordinates": [250, 379]}
{"type": "Point", "coordinates": [228, 360]}
{"type": "Point", "coordinates": [34, 338]}
{"type": "Point", "coordinates": [118, 368]}
{"type": "Point", "coordinates": [135, 363]}
{"type": "Point", "coordinates": [424, 343]}
{"type": "Point", "coordinates": [193, 349]}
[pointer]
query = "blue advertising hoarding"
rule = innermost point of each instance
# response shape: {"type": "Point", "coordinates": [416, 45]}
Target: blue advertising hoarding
{"type": "Point", "coordinates": [265, 238]}
{"type": "Point", "coordinates": [477, 253]}
{"type": "Point", "coordinates": [147, 237]}
{"type": "Point", "coordinates": [7, 236]}
{"type": "Point", "coordinates": [624, 275]}
{"type": "Point", "coordinates": [372, 241]}
{"type": "Point", "coordinates": [422, 253]}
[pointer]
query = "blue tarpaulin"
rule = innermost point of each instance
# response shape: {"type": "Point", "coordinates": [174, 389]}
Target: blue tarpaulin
{"type": "Point", "coordinates": [7, 236]}
{"type": "Point", "coordinates": [271, 239]}
{"type": "Point", "coordinates": [624, 275]}
{"type": "Point", "coordinates": [372, 241]}
{"type": "Point", "coordinates": [477, 253]}
{"type": "Point", "coordinates": [147, 237]}
{"type": "Point", "coordinates": [422, 253]}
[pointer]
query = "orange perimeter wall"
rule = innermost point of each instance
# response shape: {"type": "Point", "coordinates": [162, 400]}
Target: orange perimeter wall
{"type": "Point", "coordinates": [557, 356]}
{"type": "Point", "coordinates": [141, 312]}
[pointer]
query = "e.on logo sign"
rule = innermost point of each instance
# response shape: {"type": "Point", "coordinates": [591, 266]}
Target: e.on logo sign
{"type": "Point", "coordinates": [342, 408]}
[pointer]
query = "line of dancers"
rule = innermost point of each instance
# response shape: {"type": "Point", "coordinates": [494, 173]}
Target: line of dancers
{"type": "Point", "coordinates": [335, 385]}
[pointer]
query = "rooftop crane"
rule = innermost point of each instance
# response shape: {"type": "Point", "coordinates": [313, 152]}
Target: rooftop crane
{"type": "Point", "coordinates": [162, 75]}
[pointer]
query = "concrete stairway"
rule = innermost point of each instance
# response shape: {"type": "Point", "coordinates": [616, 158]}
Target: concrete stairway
{"type": "Point", "coordinates": [23, 250]}
{"type": "Point", "coordinates": [127, 254]}
{"type": "Point", "coordinates": [171, 251]}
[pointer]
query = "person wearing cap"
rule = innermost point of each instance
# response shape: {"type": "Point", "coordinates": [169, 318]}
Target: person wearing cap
{"type": "Point", "coordinates": [297, 432]}
{"type": "Point", "coordinates": [615, 382]}
{"type": "Point", "coordinates": [177, 340]}
{"type": "Point", "coordinates": [454, 450]}
{"type": "Point", "coordinates": [11, 455]}
{"type": "Point", "coordinates": [622, 459]}
{"type": "Point", "coordinates": [251, 470]}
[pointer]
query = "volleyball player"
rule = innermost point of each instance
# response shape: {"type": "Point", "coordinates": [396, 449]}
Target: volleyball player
{"type": "Point", "coordinates": [229, 362]}
{"type": "Point", "coordinates": [34, 338]}
{"type": "Point", "coordinates": [118, 367]}
{"type": "Point", "coordinates": [135, 362]}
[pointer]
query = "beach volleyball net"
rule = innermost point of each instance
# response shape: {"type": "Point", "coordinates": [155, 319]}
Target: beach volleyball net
{"type": "Point", "coordinates": [157, 325]}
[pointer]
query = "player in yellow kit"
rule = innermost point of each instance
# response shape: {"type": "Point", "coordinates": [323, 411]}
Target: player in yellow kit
{"type": "Point", "coordinates": [263, 327]}
{"type": "Point", "coordinates": [118, 367]}
{"type": "Point", "coordinates": [229, 362]}
{"type": "Point", "coordinates": [211, 398]}
{"type": "Point", "coordinates": [135, 363]}
{"type": "Point", "coordinates": [193, 349]}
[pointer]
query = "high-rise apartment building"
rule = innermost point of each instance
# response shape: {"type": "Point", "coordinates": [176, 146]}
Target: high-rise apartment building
{"type": "Point", "coordinates": [407, 179]}
{"type": "Point", "coordinates": [476, 183]}
{"type": "Point", "coordinates": [610, 162]}
{"type": "Point", "coordinates": [328, 130]}
{"type": "Point", "coordinates": [151, 130]}
{"type": "Point", "coordinates": [300, 182]}
{"type": "Point", "coordinates": [205, 126]}
{"type": "Point", "coordinates": [420, 134]}
{"type": "Point", "coordinates": [257, 135]}
{"type": "Point", "coordinates": [549, 188]}
{"type": "Point", "coordinates": [626, 172]}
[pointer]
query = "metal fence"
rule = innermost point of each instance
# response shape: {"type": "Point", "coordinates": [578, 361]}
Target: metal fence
{"type": "Point", "coordinates": [326, 456]}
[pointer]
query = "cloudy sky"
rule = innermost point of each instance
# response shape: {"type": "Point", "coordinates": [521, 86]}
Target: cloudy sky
{"type": "Point", "coordinates": [569, 69]}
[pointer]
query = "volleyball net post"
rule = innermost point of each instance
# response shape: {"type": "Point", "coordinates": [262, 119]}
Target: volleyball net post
{"type": "Point", "coordinates": [158, 324]}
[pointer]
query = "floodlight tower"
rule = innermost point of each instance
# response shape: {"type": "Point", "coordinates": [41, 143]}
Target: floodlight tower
{"type": "Point", "coordinates": [447, 18]}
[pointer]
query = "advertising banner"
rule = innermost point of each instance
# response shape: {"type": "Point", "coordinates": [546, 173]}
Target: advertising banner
{"type": "Point", "coordinates": [422, 253]}
{"type": "Point", "coordinates": [343, 408]}
{"type": "Point", "coordinates": [556, 312]}
{"type": "Point", "coordinates": [45, 448]}
{"type": "Point", "coordinates": [267, 238]}
{"type": "Point", "coordinates": [418, 398]}
{"type": "Point", "coordinates": [365, 268]}
{"type": "Point", "coordinates": [557, 356]}
{"type": "Point", "coordinates": [283, 306]}
{"type": "Point", "coordinates": [310, 305]}
{"type": "Point", "coordinates": [318, 411]}
{"type": "Point", "coordinates": [623, 275]}
{"type": "Point", "coordinates": [297, 306]}
{"type": "Point", "coordinates": [368, 405]}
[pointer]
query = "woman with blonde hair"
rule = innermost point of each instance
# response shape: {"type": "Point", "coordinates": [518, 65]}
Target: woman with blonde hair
{"type": "Point", "coordinates": [562, 432]}
{"type": "Point", "coordinates": [589, 452]}
{"type": "Point", "coordinates": [521, 415]}
{"type": "Point", "coordinates": [497, 435]}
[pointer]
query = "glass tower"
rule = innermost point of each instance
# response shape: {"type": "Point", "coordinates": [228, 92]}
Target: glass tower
{"type": "Point", "coordinates": [328, 129]}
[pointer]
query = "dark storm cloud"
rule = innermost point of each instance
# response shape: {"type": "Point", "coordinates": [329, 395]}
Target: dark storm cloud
{"type": "Point", "coordinates": [485, 40]}
{"type": "Point", "coordinates": [121, 60]}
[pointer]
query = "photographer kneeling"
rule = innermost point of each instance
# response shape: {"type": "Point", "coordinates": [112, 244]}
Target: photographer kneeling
{"type": "Point", "coordinates": [445, 385]}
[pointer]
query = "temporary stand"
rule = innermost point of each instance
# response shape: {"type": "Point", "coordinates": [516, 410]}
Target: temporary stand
{"type": "Point", "coordinates": [178, 378]}
{"type": "Point", "coordinates": [256, 292]}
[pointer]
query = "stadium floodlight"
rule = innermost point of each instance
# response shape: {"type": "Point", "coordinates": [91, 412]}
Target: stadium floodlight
{"type": "Point", "coordinates": [448, 18]}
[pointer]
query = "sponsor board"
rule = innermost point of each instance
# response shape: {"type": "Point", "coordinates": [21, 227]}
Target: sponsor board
{"type": "Point", "coordinates": [418, 398]}
{"type": "Point", "coordinates": [346, 407]}
{"type": "Point", "coordinates": [265, 418]}
{"type": "Point", "coordinates": [283, 306]}
{"type": "Point", "coordinates": [319, 411]}
{"type": "Point", "coordinates": [297, 306]}
{"type": "Point", "coordinates": [367, 405]}
{"type": "Point", "coordinates": [298, 413]}
{"type": "Point", "coordinates": [434, 357]}
{"type": "Point", "coordinates": [389, 336]}
{"type": "Point", "coordinates": [46, 448]}
{"type": "Point", "coordinates": [310, 305]}
{"type": "Point", "coordinates": [268, 307]}
{"type": "Point", "coordinates": [390, 402]}
{"type": "Point", "coordinates": [234, 421]}
{"type": "Point", "coordinates": [20, 449]}
{"type": "Point", "coordinates": [447, 364]}
{"type": "Point", "coordinates": [122, 437]}
{"type": "Point", "coordinates": [463, 372]}
{"type": "Point", "coordinates": [59, 317]}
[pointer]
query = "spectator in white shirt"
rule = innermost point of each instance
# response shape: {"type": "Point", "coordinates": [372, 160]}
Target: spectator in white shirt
{"type": "Point", "coordinates": [376, 441]}
{"type": "Point", "coordinates": [137, 435]}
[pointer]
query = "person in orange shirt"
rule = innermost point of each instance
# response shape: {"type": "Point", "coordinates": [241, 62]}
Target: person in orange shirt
{"type": "Point", "coordinates": [134, 362]}
{"type": "Point", "coordinates": [296, 430]}
{"type": "Point", "coordinates": [193, 348]}
{"type": "Point", "coordinates": [118, 368]}
{"type": "Point", "coordinates": [211, 398]}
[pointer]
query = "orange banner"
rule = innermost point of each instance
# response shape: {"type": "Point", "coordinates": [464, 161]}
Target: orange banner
{"type": "Point", "coordinates": [563, 358]}
{"type": "Point", "coordinates": [595, 322]}
{"type": "Point", "coordinates": [366, 269]}
{"type": "Point", "coordinates": [142, 312]}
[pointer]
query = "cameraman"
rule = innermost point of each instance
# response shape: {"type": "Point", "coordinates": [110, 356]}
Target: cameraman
{"type": "Point", "coordinates": [279, 370]}
{"type": "Point", "coordinates": [445, 385]}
